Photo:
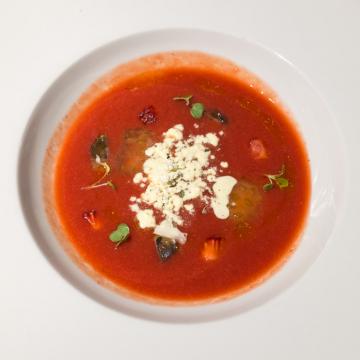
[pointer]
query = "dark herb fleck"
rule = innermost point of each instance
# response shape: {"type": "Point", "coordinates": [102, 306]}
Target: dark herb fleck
{"type": "Point", "coordinates": [119, 235]}
{"type": "Point", "coordinates": [276, 179]}
{"type": "Point", "coordinates": [173, 182]}
{"type": "Point", "coordinates": [217, 115]}
{"type": "Point", "coordinates": [182, 193]}
{"type": "Point", "coordinates": [148, 115]}
{"type": "Point", "coordinates": [197, 110]}
{"type": "Point", "coordinates": [99, 149]}
{"type": "Point", "coordinates": [185, 98]}
{"type": "Point", "coordinates": [165, 247]}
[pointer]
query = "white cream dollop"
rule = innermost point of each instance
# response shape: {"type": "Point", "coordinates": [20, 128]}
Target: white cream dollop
{"type": "Point", "coordinates": [166, 229]}
{"type": "Point", "coordinates": [222, 189]}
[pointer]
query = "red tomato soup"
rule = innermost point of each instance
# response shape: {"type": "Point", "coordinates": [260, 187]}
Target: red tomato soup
{"type": "Point", "coordinates": [179, 178]}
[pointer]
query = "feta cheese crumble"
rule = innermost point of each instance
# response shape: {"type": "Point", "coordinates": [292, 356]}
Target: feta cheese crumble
{"type": "Point", "coordinates": [176, 172]}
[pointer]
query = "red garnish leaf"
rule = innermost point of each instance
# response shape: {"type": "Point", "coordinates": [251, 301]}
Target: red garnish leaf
{"type": "Point", "coordinates": [257, 149]}
{"type": "Point", "coordinates": [90, 217]}
{"type": "Point", "coordinates": [211, 248]}
{"type": "Point", "coordinates": [148, 115]}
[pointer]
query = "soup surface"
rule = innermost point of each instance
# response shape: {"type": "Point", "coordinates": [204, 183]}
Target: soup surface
{"type": "Point", "coordinates": [178, 178]}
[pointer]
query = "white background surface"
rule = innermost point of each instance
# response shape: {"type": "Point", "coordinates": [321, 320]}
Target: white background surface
{"type": "Point", "coordinates": [43, 317]}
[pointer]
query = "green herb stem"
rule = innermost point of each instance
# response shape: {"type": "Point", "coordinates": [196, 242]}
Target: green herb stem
{"type": "Point", "coordinates": [185, 98]}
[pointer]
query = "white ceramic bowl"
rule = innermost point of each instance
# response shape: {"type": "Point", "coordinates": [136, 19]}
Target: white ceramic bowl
{"type": "Point", "coordinates": [322, 138]}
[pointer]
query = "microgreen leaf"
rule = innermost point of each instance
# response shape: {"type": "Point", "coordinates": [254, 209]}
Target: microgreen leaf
{"type": "Point", "coordinates": [99, 149]}
{"type": "Point", "coordinates": [119, 235]}
{"type": "Point", "coordinates": [278, 179]}
{"type": "Point", "coordinates": [268, 186]}
{"type": "Point", "coordinates": [185, 98]}
{"type": "Point", "coordinates": [197, 110]}
{"type": "Point", "coordinates": [282, 182]}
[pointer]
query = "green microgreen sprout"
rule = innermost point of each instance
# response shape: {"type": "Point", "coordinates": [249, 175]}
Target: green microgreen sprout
{"type": "Point", "coordinates": [119, 235]}
{"type": "Point", "coordinates": [276, 179]}
{"type": "Point", "coordinates": [197, 110]}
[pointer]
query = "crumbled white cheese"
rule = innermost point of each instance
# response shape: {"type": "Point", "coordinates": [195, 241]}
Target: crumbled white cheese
{"type": "Point", "coordinates": [222, 189]}
{"type": "Point", "coordinates": [189, 208]}
{"type": "Point", "coordinates": [173, 134]}
{"type": "Point", "coordinates": [179, 127]}
{"type": "Point", "coordinates": [213, 139]}
{"type": "Point", "coordinates": [177, 171]}
{"type": "Point", "coordinates": [138, 178]}
{"type": "Point", "coordinates": [146, 218]}
{"type": "Point", "coordinates": [221, 133]}
{"type": "Point", "coordinates": [133, 198]}
{"type": "Point", "coordinates": [166, 229]}
{"type": "Point", "coordinates": [224, 164]}
{"type": "Point", "coordinates": [134, 207]}
{"type": "Point", "coordinates": [196, 125]}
